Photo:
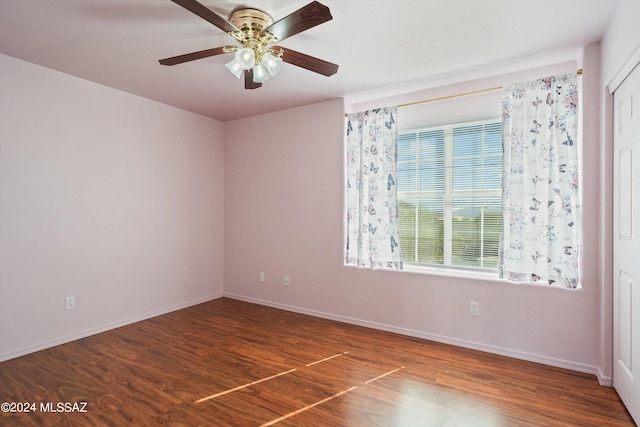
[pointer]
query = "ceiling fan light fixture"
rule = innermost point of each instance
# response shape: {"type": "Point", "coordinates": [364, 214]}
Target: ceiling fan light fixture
{"type": "Point", "coordinates": [260, 74]}
{"type": "Point", "coordinates": [272, 63]}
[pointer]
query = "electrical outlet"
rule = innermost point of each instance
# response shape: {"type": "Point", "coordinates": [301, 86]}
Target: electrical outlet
{"type": "Point", "coordinates": [474, 308]}
{"type": "Point", "coordinates": [261, 277]}
{"type": "Point", "coordinates": [287, 281]}
{"type": "Point", "coordinates": [69, 303]}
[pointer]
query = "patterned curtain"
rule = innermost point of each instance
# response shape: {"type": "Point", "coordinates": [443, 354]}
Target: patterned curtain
{"type": "Point", "coordinates": [540, 230]}
{"type": "Point", "coordinates": [372, 207]}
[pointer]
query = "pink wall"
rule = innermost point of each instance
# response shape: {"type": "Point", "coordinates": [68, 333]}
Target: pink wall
{"type": "Point", "coordinates": [621, 40]}
{"type": "Point", "coordinates": [106, 196]}
{"type": "Point", "coordinates": [620, 50]}
{"type": "Point", "coordinates": [283, 215]}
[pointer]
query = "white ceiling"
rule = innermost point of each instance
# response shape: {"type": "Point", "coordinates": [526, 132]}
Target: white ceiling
{"type": "Point", "coordinates": [377, 43]}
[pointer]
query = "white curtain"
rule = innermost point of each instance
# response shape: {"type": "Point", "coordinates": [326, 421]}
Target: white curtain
{"type": "Point", "coordinates": [541, 230]}
{"type": "Point", "coordinates": [371, 202]}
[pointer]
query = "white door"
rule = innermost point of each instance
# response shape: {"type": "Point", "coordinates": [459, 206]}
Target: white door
{"type": "Point", "coordinates": [626, 245]}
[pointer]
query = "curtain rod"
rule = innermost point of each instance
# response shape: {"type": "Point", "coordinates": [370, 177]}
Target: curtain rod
{"type": "Point", "coordinates": [473, 92]}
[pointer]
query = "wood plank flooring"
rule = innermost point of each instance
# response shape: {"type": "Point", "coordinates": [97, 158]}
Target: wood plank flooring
{"type": "Point", "coordinates": [231, 363]}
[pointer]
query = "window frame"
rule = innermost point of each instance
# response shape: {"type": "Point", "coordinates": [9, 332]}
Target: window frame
{"type": "Point", "coordinates": [448, 195]}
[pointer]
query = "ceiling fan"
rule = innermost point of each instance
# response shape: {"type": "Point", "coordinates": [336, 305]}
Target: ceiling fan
{"type": "Point", "coordinates": [256, 31]}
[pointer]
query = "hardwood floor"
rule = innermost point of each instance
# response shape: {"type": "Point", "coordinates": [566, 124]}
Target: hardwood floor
{"type": "Point", "coordinates": [231, 363]}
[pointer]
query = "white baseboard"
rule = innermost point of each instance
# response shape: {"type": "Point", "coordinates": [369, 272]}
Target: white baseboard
{"type": "Point", "coordinates": [602, 379]}
{"type": "Point", "coordinates": [560, 363]}
{"type": "Point", "coordinates": [516, 354]}
{"type": "Point", "coordinates": [103, 328]}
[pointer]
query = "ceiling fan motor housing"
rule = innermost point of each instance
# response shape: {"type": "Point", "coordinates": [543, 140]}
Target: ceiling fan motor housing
{"type": "Point", "coordinates": [250, 20]}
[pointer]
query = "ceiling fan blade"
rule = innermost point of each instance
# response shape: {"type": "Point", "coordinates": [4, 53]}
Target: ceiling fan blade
{"type": "Point", "coordinates": [248, 80]}
{"type": "Point", "coordinates": [308, 62]}
{"type": "Point", "coordinates": [302, 19]}
{"type": "Point", "coordinates": [207, 14]}
{"type": "Point", "coordinates": [194, 55]}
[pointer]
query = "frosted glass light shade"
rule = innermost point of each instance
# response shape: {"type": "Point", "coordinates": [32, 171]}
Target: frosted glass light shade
{"type": "Point", "coordinates": [235, 67]}
{"type": "Point", "coordinates": [260, 74]}
{"type": "Point", "coordinates": [246, 58]}
{"type": "Point", "coordinates": [272, 63]}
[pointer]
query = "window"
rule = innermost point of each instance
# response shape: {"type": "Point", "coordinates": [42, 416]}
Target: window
{"type": "Point", "coordinates": [449, 194]}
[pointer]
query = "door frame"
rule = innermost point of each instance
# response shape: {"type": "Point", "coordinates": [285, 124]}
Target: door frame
{"type": "Point", "coordinates": [631, 64]}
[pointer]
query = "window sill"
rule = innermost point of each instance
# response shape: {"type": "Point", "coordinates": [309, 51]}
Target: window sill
{"type": "Point", "coordinates": [485, 276]}
{"type": "Point", "coordinates": [453, 272]}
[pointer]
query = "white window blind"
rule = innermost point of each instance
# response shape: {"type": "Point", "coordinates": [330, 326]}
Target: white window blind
{"type": "Point", "coordinates": [449, 194]}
